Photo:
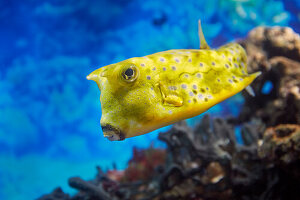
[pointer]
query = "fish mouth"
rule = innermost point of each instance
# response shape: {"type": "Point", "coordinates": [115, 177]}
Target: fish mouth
{"type": "Point", "coordinates": [112, 133]}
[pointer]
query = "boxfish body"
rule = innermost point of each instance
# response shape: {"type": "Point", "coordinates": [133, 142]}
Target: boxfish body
{"type": "Point", "coordinates": [141, 94]}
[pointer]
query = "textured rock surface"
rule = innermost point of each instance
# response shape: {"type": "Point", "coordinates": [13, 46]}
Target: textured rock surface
{"type": "Point", "coordinates": [276, 53]}
{"type": "Point", "coordinates": [208, 163]}
{"type": "Point", "coordinates": [281, 146]}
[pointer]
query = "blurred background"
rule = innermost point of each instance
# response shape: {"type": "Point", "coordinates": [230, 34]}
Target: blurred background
{"type": "Point", "coordinates": [50, 113]}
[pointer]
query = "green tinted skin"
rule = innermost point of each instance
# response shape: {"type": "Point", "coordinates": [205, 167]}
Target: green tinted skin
{"type": "Point", "coordinates": [142, 94]}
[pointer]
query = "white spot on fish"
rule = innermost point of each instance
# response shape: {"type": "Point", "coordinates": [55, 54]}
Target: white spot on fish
{"type": "Point", "coordinates": [149, 77]}
{"type": "Point", "coordinates": [227, 66]}
{"type": "Point", "coordinates": [164, 69]}
{"type": "Point", "coordinates": [174, 68]}
{"type": "Point", "coordinates": [142, 64]}
{"type": "Point", "coordinates": [189, 60]}
{"type": "Point", "coordinates": [200, 96]}
{"type": "Point", "coordinates": [213, 63]}
{"type": "Point", "coordinates": [195, 87]}
{"type": "Point", "coordinates": [154, 69]}
{"type": "Point", "coordinates": [198, 75]}
{"type": "Point", "coordinates": [162, 59]}
{"type": "Point", "coordinates": [191, 93]}
{"type": "Point", "coordinates": [177, 60]}
{"type": "Point", "coordinates": [183, 86]}
{"type": "Point", "coordinates": [172, 88]}
{"type": "Point", "coordinates": [201, 64]}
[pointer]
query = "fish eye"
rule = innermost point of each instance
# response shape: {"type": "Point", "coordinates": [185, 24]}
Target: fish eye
{"type": "Point", "coordinates": [130, 73]}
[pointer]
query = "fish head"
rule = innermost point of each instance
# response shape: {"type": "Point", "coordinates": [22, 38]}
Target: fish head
{"type": "Point", "coordinates": [127, 98]}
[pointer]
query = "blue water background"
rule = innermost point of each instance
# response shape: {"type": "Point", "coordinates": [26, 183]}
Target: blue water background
{"type": "Point", "coordinates": [49, 112]}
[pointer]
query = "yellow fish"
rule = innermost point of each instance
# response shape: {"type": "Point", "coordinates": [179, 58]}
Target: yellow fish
{"type": "Point", "coordinates": [141, 94]}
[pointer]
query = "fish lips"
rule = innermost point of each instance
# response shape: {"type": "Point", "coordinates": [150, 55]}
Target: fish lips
{"type": "Point", "coordinates": [112, 133]}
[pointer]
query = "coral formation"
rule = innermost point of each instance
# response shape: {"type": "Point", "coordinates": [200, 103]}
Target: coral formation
{"type": "Point", "coordinates": [281, 146]}
{"type": "Point", "coordinates": [275, 52]}
{"type": "Point", "coordinates": [207, 162]}
{"type": "Point", "coordinates": [143, 164]}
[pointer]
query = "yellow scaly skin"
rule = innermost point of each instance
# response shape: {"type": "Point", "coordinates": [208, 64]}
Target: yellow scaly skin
{"type": "Point", "coordinates": [167, 87]}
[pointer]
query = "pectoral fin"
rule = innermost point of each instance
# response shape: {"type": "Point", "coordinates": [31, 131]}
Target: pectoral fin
{"type": "Point", "coordinates": [173, 101]}
{"type": "Point", "coordinates": [170, 97]}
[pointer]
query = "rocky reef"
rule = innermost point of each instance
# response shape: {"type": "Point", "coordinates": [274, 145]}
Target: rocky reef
{"type": "Point", "coordinates": [276, 53]}
{"type": "Point", "coordinates": [207, 161]}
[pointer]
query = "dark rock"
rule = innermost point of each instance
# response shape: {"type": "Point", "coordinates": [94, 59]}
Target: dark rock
{"type": "Point", "coordinates": [57, 194]}
{"type": "Point", "coordinates": [281, 146]}
{"type": "Point", "coordinates": [276, 53]}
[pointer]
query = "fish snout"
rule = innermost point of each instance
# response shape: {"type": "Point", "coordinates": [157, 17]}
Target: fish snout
{"type": "Point", "coordinates": [112, 133]}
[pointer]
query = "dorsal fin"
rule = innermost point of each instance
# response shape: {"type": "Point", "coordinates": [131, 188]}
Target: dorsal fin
{"type": "Point", "coordinates": [203, 43]}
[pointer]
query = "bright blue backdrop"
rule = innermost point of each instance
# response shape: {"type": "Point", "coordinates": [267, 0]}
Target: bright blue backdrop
{"type": "Point", "coordinates": [49, 112]}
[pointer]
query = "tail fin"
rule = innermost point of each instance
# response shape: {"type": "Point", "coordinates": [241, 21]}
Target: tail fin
{"type": "Point", "coordinates": [251, 78]}
{"type": "Point", "coordinates": [255, 75]}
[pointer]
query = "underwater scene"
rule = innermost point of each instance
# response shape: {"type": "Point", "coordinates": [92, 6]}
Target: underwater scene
{"type": "Point", "coordinates": [189, 110]}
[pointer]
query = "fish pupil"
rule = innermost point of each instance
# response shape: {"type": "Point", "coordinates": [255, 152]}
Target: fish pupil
{"type": "Point", "coordinates": [128, 74]}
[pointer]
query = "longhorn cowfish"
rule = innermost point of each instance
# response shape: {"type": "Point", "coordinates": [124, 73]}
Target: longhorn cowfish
{"type": "Point", "coordinates": [141, 94]}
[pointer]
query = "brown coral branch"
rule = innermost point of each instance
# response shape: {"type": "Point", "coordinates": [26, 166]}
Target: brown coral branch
{"type": "Point", "coordinates": [91, 189]}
